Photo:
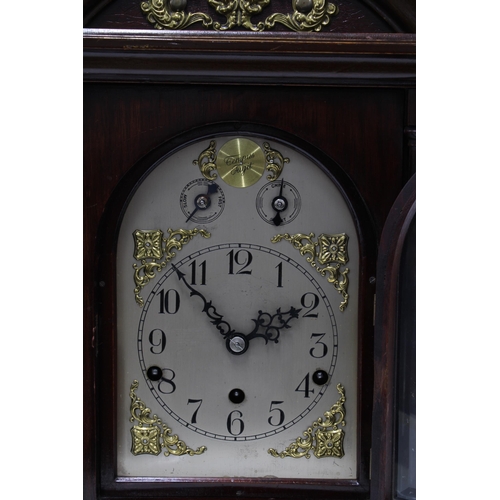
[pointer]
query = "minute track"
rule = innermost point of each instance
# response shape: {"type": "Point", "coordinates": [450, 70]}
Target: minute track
{"type": "Point", "coordinates": [302, 406]}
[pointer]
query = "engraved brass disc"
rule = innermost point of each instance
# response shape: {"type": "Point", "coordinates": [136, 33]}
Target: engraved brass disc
{"type": "Point", "coordinates": [240, 162]}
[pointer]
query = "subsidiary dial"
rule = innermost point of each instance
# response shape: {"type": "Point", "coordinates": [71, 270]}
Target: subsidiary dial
{"type": "Point", "coordinates": [202, 201]}
{"type": "Point", "coordinates": [278, 202]}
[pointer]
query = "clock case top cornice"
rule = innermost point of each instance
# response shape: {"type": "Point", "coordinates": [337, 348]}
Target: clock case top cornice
{"type": "Point", "coordinates": [375, 59]}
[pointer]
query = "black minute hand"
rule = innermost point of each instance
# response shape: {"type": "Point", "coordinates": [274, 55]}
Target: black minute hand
{"type": "Point", "coordinates": [216, 319]}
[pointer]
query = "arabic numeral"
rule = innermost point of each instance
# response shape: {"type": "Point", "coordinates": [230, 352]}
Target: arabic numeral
{"type": "Point", "coordinates": [304, 387]}
{"type": "Point", "coordinates": [157, 339]}
{"type": "Point", "coordinates": [194, 401]}
{"type": "Point", "coordinates": [279, 414]}
{"type": "Point", "coordinates": [235, 425]}
{"type": "Point", "coordinates": [310, 301]}
{"type": "Point", "coordinates": [279, 267]}
{"type": "Point", "coordinates": [170, 301]}
{"type": "Point", "coordinates": [318, 352]}
{"type": "Point", "coordinates": [242, 258]}
{"type": "Point", "coordinates": [194, 273]}
{"type": "Point", "coordinates": [166, 384]}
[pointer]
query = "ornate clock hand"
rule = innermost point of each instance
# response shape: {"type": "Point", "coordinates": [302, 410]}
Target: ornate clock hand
{"type": "Point", "coordinates": [271, 330]}
{"type": "Point", "coordinates": [237, 343]}
{"type": "Point", "coordinates": [203, 201]}
{"type": "Point", "coordinates": [279, 204]}
{"type": "Point", "coordinates": [216, 318]}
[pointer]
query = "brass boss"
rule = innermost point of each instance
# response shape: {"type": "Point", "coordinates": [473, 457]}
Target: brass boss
{"type": "Point", "coordinates": [240, 162]}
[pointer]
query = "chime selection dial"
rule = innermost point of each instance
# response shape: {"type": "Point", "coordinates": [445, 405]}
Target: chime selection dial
{"type": "Point", "coordinates": [278, 202]}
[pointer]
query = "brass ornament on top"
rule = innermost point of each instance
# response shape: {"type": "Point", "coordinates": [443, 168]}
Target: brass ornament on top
{"type": "Point", "coordinates": [236, 341]}
{"type": "Point", "coordinates": [307, 15]}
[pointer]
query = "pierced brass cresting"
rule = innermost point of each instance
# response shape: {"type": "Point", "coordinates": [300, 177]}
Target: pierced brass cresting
{"type": "Point", "coordinates": [329, 249]}
{"type": "Point", "coordinates": [151, 247]}
{"type": "Point", "coordinates": [323, 438]}
{"type": "Point", "coordinates": [152, 435]}
{"type": "Point", "coordinates": [307, 15]}
{"type": "Point", "coordinates": [209, 166]}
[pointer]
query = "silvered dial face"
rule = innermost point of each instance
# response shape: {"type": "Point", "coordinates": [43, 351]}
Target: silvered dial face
{"type": "Point", "coordinates": [237, 331]}
{"type": "Point", "coordinates": [257, 324]}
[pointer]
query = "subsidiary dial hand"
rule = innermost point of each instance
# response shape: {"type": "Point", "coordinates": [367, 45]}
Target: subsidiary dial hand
{"type": "Point", "coordinates": [216, 319]}
{"type": "Point", "coordinates": [279, 204]}
{"type": "Point", "coordinates": [203, 201]}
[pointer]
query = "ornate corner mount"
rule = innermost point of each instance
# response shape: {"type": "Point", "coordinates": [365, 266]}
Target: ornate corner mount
{"type": "Point", "coordinates": [152, 435]}
{"type": "Point", "coordinates": [327, 250]}
{"type": "Point", "coordinates": [306, 15]}
{"type": "Point", "coordinates": [151, 247]}
{"type": "Point", "coordinates": [207, 161]}
{"type": "Point", "coordinates": [323, 438]}
{"type": "Point", "coordinates": [275, 162]}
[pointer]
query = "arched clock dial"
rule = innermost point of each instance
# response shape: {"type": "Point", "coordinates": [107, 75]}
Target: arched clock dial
{"type": "Point", "coordinates": [237, 327]}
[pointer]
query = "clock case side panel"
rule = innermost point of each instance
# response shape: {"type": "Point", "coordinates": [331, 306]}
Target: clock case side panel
{"type": "Point", "coordinates": [392, 242]}
{"type": "Point", "coordinates": [107, 483]}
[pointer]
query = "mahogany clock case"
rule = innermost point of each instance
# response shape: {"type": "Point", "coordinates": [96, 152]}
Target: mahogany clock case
{"type": "Point", "coordinates": [112, 173]}
{"type": "Point", "coordinates": [345, 100]}
{"type": "Point", "coordinates": [106, 359]}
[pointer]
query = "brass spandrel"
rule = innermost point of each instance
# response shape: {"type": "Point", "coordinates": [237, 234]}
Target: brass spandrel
{"type": "Point", "coordinates": [152, 434]}
{"type": "Point", "coordinates": [321, 254]}
{"type": "Point", "coordinates": [275, 162]}
{"type": "Point", "coordinates": [151, 246]}
{"type": "Point", "coordinates": [323, 438]}
{"type": "Point", "coordinates": [206, 161]}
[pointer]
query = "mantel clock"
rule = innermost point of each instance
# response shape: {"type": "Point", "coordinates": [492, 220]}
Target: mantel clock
{"type": "Point", "coordinates": [241, 159]}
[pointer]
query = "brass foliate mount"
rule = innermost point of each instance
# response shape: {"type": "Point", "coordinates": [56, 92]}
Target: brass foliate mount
{"type": "Point", "coordinates": [154, 251]}
{"type": "Point", "coordinates": [306, 15]}
{"type": "Point", "coordinates": [323, 438]}
{"type": "Point", "coordinates": [152, 434]}
{"type": "Point", "coordinates": [240, 162]}
{"type": "Point", "coordinates": [326, 255]}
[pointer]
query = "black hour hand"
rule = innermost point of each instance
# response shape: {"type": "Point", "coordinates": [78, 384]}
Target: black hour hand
{"type": "Point", "coordinates": [269, 326]}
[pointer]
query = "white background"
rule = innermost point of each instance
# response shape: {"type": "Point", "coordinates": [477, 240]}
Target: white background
{"type": "Point", "coordinates": [458, 271]}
